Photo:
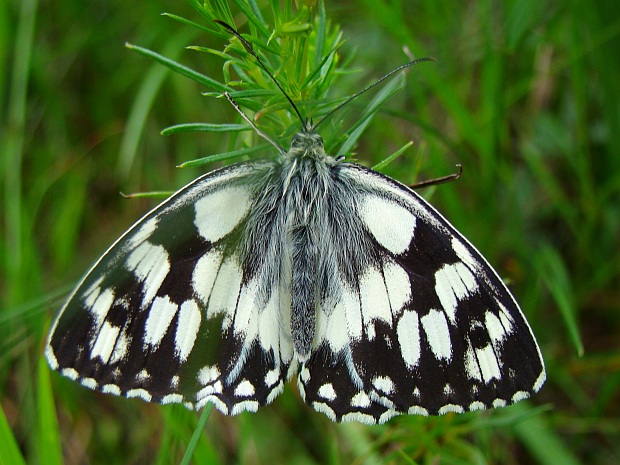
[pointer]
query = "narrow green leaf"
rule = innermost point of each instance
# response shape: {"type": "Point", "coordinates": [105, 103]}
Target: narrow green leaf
{"type": "Point", "coordinates": [179, 68]}
{"type": "Point", "coordinates": [541, 441]}
{"type": "Point", "coordinates": [224, 156]}
{"type": "Point", "coordinates": [48, 440]}
{"type": "Point", "coordinates": [390, 89]}
{"type": "Point", "coordinates": [553, 272]}
{"type": "Point", "coordinates": [204, 127]}
{"type": "Point", "coordinates": [143, 103]}
{"type": "Point", "coordinates": [9, 450]}
{"type": "Point", "coordinates": [187, 22]}
{"type": "Point", "coordinates": [191, 447]}
{"type": "Point", "coordinates": [382, 164]}
{"type": "Point", "coordinates": [148, 195]}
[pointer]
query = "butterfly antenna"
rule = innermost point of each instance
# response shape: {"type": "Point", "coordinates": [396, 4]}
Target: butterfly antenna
{"type": "Point", "coordinates": [252, 52]}
{"type": "Point", "coordinates": [370, 86]}
{"type": "Point", "coordinates": [253, 126]}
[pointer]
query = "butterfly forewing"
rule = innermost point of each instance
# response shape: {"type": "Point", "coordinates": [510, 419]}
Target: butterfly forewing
{"type": "Point", "coordinates": [168, 313]}
{"type": "Point", "coordinates": [427, 327]}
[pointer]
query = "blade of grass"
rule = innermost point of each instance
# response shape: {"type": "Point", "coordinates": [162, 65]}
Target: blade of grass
{"type": "Point", "coordinates": [204, 127]}
{"type": "Point", "coordinates": [9, 450]}
{"type": "Point", "coordinates": [553, 272]}
{"type": "Point", "coordinates": [388, 91]}
{"type": "Point", "coordinates": [143, 103]}
{"type": "Point", "coordinates": [50, 452]}
{"type": "Point", "coordinates": [546, 446]}
{"type": "Point", "coordinates": [13, 150]}
{"type": "Point", "coordinates": [382, 164]}
{"type": "Point", "coordinates": [179, 68]}
{"type": "Point", "coordinates": [224, 156]}
{"type": "Point", "coordinates": [191, 447]}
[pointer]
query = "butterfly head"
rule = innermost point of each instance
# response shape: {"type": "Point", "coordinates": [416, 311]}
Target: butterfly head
{"type": "Point", "coordinates": [307, 144]}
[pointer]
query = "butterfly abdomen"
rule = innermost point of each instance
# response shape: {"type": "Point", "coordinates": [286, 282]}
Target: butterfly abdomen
{"type": "Point", "coordinates": [304, 202]}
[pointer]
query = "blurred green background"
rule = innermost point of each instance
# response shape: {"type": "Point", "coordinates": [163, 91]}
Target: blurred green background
{"type": "Point", "coordinates": [524, 94]}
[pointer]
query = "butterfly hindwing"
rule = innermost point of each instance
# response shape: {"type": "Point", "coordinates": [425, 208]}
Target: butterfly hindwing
{"type": "Point", "coordinates": [167, 313]}
{"type": "Point", "coordinates": [428, 327]}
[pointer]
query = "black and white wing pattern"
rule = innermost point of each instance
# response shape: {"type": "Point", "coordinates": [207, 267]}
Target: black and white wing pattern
{"type": "Point", "coordinates": [306, 265]}
{"type": "Point", "coordinates": [423, 325]}
{"type": "Point", "coordinates": [170, 314]}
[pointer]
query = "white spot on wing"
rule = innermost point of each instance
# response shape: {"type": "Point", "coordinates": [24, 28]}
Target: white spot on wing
{"type": "Point", "coordinates": [111, 389]}
{"type": "Point", "coordinates": [244, 406]}
{"type": "Point", "coordinates": [408, 331]}
{"type": "Point", "coordinates": [540, 381]}
{"type": "Point", "coordinates": [398, 286]}
{"type": "Point", "coordinates": [51, 357]}
{"type": "Point", "coordinates": [90, 295]}
{"type": "Point", "coordinates": [204, 274]}
{"type": "Point", "coordinates": [350, 304]}
{"type": "Point", "coordinates": [327, 391]}
{"type": "Point", "coordinates": [374, 300]}
{"type": "Point", "coordinates": [208, 374]}
{"type": "Point", "coordinates": [488, 363]}
{"type": "Point", "coordinates": [450, 408]}
{"type": "Point", "coordinates": [246, 314]}
{"type": "Point", "coordinates": [452, 283]}
{"type": "Point", "coordinates": [150, 264]}
{"type": "Point", "coordinates": [471, 365]}
{"type": "Point", "coordinates": [494, 327]}
{"type": "Point", "coordinates": [143, 233]}
{"type": "Point", "coordinates": [225, 292]}
{"type": "Point", "coordinates": [106, 339]}
{"type": "Point", "coordinates": [437, 333]}
{"type": "Point", "coordinates": [161, 313]}
{"type": "Point", "coordinates": [499, 403]}
{"type": "Point", "coordinates": [324, 408]}
{"type": "Point", "coordinates": [476, 405]}
{"type": "Point", "coordinates": [391, 224]}
{"type": "Point", "coordinates": [360, 399]}
{"type": "Point", "coordinates": [70, 373]}
{"type": "Point", "coordinates": [187, 329]}
{"type": "Point", "coordinates": [272, 377]}
{"type": "Point", "coordinates": [244, 389]}
{"type": "Point", "coordinates": [464, 255]}
{"type": "Point", "coordinates": [269, 333]}
{"type": "Point", "coordinates": [121, 347]}
{"type": "Point", "coordinates": [221, 406]}
{"type": "Point", "coordinates": [417, 410]}
{"type": "Point", "coordinates": [141, 393]}
{"type": "Point", "coordinates": [387, 415]}
{"type": "Point", "coordinates": [359, 417]}
{"type": "Point", "coordinates": [172, 399]}
{"type": "Point", "coordinates": [218, 213]}
{"type": "Point", "coordinates": [505, 317]}
{"type": "Point", "coordinates": [331, 327]}
{"type": "Point", "coordinates": [89, 383]}
{"type": "Point", "coordinates": [101, 304]}
{"type": "Point", "coordinates": [383, 384]}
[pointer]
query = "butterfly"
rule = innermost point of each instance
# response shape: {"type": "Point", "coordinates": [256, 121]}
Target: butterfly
{"type": "Point", "coordinates": [305, 265]}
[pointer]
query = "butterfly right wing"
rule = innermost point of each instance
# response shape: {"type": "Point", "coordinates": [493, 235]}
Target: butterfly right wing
{"type": "Point", "coordinates": [169, 313]}
{"type": "Point", "coordinates": [415, 320]}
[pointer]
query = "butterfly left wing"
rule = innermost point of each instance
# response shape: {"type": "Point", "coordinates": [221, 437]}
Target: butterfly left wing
{"type": "Point", "coordinates": [423, 325]}
{"type": "Point", "coordinates": [171, 314]}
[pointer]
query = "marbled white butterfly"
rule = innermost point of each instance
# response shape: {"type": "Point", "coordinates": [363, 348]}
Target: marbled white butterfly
{"type": "Point", "coordinates": [304, 265]}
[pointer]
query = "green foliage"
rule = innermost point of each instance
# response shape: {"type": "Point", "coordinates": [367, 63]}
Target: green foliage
{"type": "Point", "coordinates": [524, 95]}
